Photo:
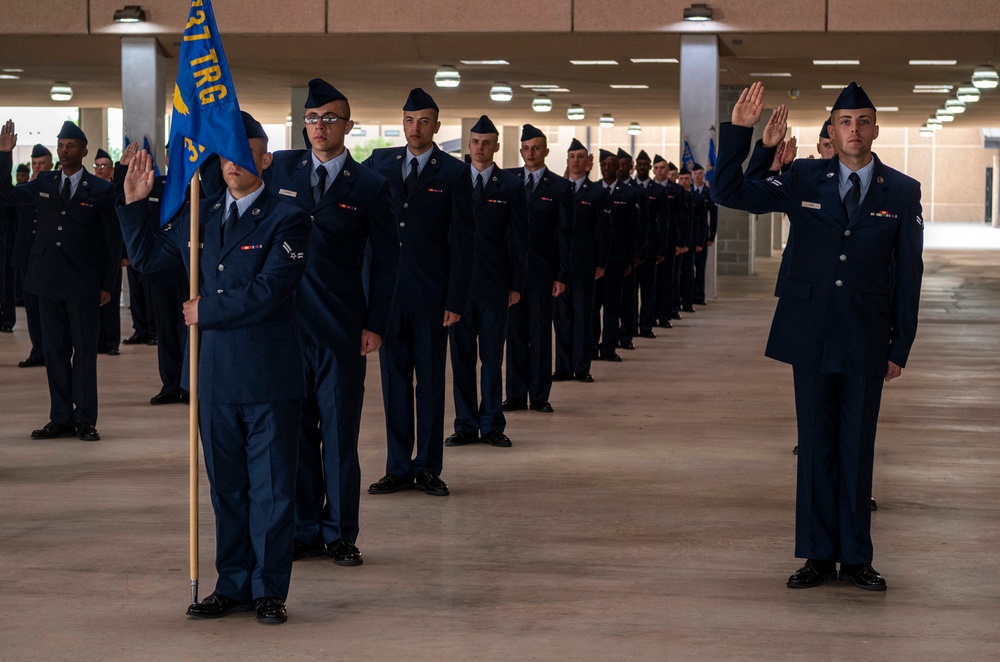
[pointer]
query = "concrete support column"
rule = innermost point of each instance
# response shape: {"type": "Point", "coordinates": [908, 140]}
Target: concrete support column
{"type": "Point", "coordinates": [699, 88]}
{"type": "Point", "coordinates": [94, 123]}
{"type": "Point", "coordinates": [510, 147]}
{"type": "Point", "coordinates": [144, 102]}
{"type": "Point", "coordinates": [764, 237]}
{"type": "Point", "coordinates": [297, 111]}
{"type": "Point", "coordinates": [996, 191]}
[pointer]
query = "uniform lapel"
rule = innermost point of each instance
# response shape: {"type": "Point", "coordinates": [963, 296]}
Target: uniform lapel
{"type": "Point", "coordinates": [302, 176]}
{"type": "Point", "coordinates": [341, 186]}
{"type": "Point", "coordinates": [211, 232]}
{"type": "Point", "coordinates": [541, 187]}
{"type": "Point", "coordinates": [429, 173]}
{"type": "Point", "coordinates": [829, 192]}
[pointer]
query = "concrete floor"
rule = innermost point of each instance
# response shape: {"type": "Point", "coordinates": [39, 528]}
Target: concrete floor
{"type": "Point", "coordinates": [649, 518]}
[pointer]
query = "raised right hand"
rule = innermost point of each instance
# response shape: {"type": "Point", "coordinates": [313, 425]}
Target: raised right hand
{"type": "Point", "coordinates": [139, 178]}
{"type": "Point", "coordinates": [750, 106]}
{"type": "Point", "coordinates": [8, 139]}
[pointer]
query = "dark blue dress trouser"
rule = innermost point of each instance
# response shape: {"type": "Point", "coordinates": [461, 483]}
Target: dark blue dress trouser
{"type": "Point", "coordinates": [250, 455]}
{"type": "Point", "coordinates": [529, 345]}
{"type": "Point", "coordinates": [481, 331]}
{"type": "Point", "coordinates": [574, 314]}
{"type": "Point", "coordinates": [837, 416]}
{"type": "Point", "coordinates": [328, 492]}
{"type": "Point", "coordinates": [70, 328]}
{"type": "Point", "coordinates": [416, 344]}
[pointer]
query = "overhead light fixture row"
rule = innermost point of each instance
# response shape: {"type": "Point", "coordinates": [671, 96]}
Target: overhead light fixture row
{"type": "Point", "coordinates": [933, 63]}
{"type": "Point", "coordinates": [606, 122]}
{"type": "Point", "coordinates": [575, 112]}
{"type": "Point", "coordinates": [968, 93]}
{"type": "Point", "coordinates": [835, 63]}
{"type": "Point", "coordinates": [634, 129]}
{"type": "Point", "coordinates": [593, 63]}
{"type": "Point", "coordinates": [629, 87]}
{"type": "Point", "coordinates": [655, 60]}
{"type": "Point", "coordinates": [485, 62]}
{"type": "Point", "coordinates": [541, 104]}
{"type": "Point", "coordinates": [130, 14]}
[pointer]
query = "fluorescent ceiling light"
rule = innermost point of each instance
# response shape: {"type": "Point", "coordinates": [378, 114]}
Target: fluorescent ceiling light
{"type": "Point", "coordinates": [833, 87]}
{"type": "Point", "coordinates": [887, 109]}
{"type": "Point", "coordinates": [773, 75]}
{"type": "Point", "coordinates": [955, 106]}
{"type": "Point", "coordinates": [845, 63]}
{"type": "Point", "coordinates": [593, 62]}
{"type": "Point", "coordinates": [575, 112]}
{"type": "Point", "coordinates": [61, 92]}
{"type": "Point", "coordinates": [654, 60]}
{"type": "Point", "coordinates": [933, 87]}
{"type": "Point", "coordinates": [541, 104]}
{"type": "Point", "coordinates": [985, 77]}
{"type": "Point", "coordinates": [968, 93]}
{"type": "Point", "coordinates": [539, 87]}
{"type": "Point", "coordinates": [556, 89]}
{"type": "Point", "coordinates": [933, 63]}
{"type": "Point", "coordinates": [926, 132]}
{"type": "Point", "coordinates": [9, 77]}
{"type": "Point", "coordinates": [629, 87]}
{"type": "Point", "coordinates": [13, 71]}
{"type": "Point", "coordinates": [486, 62]}
{"type": "Point", "coordinates": [634, 129]}
{"type": "Point", "coordinates": [606, 121]}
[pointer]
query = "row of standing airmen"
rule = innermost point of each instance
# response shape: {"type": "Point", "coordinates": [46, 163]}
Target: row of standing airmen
{"type": "Point", "coordinates": [399, 254]}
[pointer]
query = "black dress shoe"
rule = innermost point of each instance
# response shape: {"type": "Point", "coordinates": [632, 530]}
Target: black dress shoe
{"type": "Point", "coordinates": [31, 363]}
{"type": "Point", "coordinates": [344, 553]}
{"type": "Point", "coordinates": [795, 451]}
{"type": "Point", "coordinates": [562, 376]}
{"type": "Point", "coordinates": [542, 406]}
{"type": "Point", "coordinates": [675, 315]}
{"type": "Point", "coordinates": [626, 344]}
{"type": "Point", "coordinates": [665, 324]}
{"type": "Point", "coordinates": [53, 430]}
{"type": "Point", "coordinates": [647, 334]}
{"type": "Point", "coordinates": [610, 356]}
{"type": "Point", "coordinates": [430, 484]}
{"type": "Point", "coordinates": [165, 399]}
{"type": "Point", "coordinates": [461, 439]}
{"type": "Point", "coordinates": [688, 309]}
{"type": "Point", "coordinates": [87, 432]}
{"type": "Point", "coordinates": [152, 341]}
{"type": "Point", "coordinates": [6, 328]}
{"type": "Point", "coordinates": [511, 404]}
{"type": "Point", "coordinates": [700, 302]}
{"type": "Point", "coordinates": [498, 439]}
{"type": "Point", "coordinates": [185, 397]}
{"type": "Point", "coordinates": [216, 606]}
{"type": "Point", "coordinates": [388, 484]}
{"type": "Point", "coordinates": [113, 351]}
{"type": "Point", "coordinates": [301, 550]}
{"type": "Point", "coordinates": [862, 575]}
{"type": "Point", "coordinates": [874, 505]}
{"type": "Point", "coordinates": [136, 339]}
{"type": "Point", "coordinates": [813, 573]}
{"type": "Point", "coordinates": [584, 377]}
{"type": "Point", "coordinates": [270, 611]}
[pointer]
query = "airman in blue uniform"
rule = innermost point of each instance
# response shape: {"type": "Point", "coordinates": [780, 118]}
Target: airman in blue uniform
{"type": "Point", "coordinates": [498, 275]}
{"type": "Point", "coordinates": [846, 316]}
{"type": "Point", "coordinates": [674, 235]}
{"type": "Point", "coordinates": [589, 252]}
{"type": "Point", "coordinates": [653, 199]}
{"type": "Point", "coordinates": [432, 201]}
{"type": "Point", "coordinates": [75, 253]}
{"type": "Point", "coordinates": [351, 208]}
{"type": "Point", "coordinates": [529, 324]}
{"type": "Point", "coordinates": [251, 381]}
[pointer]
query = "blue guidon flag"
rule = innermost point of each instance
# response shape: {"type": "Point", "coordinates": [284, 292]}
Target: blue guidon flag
{"type": "Point", "coordinates": [206, 117]}
{"type": "Point", "coordinates": [687, 158]}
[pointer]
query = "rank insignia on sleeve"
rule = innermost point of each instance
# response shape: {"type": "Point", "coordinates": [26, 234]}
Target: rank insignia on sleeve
{"type": "Point", "coordinates": [291, 253]}
{"type": "Point", "coordinates": [773, 181]}
{"type": "Point", "coordinates": [920, 221]}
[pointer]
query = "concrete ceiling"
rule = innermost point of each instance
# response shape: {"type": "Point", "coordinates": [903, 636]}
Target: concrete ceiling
{"type": "Point", "coordinates": [377, 71]}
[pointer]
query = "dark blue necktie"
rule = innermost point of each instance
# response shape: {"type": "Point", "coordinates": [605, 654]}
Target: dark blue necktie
{"type": "Point", "coordinates": [227, 225]}
{"type": "Point", "coordinates": [64, 195]}
{"type": "Point", "coordinates": [320, 188]}
{"type": "Point", "coordinates": [853, 198]}
{"type": "Point", "coordinates": [477, 192]}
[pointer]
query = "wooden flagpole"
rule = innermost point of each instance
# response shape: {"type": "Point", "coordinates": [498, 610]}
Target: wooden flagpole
{"type": "Point", "coordinates": [195, 270]}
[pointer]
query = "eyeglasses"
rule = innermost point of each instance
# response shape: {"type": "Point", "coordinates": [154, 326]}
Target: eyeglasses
{"type": "Point", "coordinates": [329, 118]}
{"type": "Point", "coordinates": [100, 166]}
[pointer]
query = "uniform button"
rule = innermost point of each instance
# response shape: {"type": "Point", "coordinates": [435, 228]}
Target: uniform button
{"type": "Point", "coordinates": [847, 233]}
{"type": "Point", "coordinates": [58, 243]}
{"type": "Point", "coordinates": [839, 283]}
{"type": "Point", "coordinates": [218, 291]}
{"type": "Point", "coordinates": [406, 205]}
{"type": "Point", "coordinates": [63, 213]}
{"type": "Point", "coordinates": [402, 224]}
{"type": "Point", "coordinates": [843, 258]}
{"type": "Point", "coordinates": [59, 228]}
{"type": "Point", "coordinates": [222, 267]}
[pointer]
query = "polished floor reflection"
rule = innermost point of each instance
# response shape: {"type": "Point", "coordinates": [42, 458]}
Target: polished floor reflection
{"type": "Point", "coordinates": [649, 518]}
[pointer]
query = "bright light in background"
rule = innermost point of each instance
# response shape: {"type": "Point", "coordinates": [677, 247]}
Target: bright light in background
{"type": "Point", "coordinates": [36, 125]}
{"type": "Point", "coordinates": [116, 135]}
